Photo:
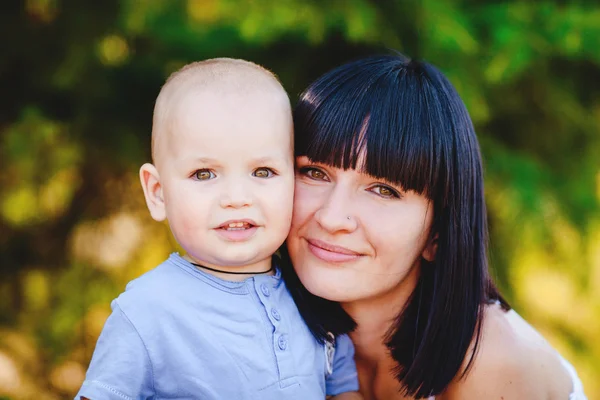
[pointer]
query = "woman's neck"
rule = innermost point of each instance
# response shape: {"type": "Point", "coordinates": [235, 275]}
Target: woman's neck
{"type": "Point", "coordinates": [375, 317]}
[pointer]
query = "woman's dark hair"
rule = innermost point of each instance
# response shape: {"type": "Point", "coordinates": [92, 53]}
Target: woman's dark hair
{"type": "Point", "coordinates": [410, 125]}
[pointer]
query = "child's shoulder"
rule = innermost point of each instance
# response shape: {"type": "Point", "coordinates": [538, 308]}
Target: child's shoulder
{"type": "Point", "coordinates": [155, 289]}
{"type": "Point", "coordinates": [160, 276]}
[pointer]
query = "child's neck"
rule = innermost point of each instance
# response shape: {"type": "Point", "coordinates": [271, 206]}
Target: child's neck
{"type": "Point", "coordinates": [234, 273]}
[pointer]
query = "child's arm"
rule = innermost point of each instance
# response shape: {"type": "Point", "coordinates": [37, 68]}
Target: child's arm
{"type": "Point", "coordinates": [120, 367]}
{"type": "Point", "coordinates": [342, 384]}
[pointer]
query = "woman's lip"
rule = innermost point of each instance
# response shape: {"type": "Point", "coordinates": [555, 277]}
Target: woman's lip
{"type": "Point", "coordinates": [332, 248]}
{"type": "Point", "coordinates": [330, 253]}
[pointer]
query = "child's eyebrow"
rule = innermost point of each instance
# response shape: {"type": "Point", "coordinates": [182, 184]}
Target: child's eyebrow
{"type": "Point", "coordinates": [206, 160]}
{"type": "Point", "coordinates": [267, 160]}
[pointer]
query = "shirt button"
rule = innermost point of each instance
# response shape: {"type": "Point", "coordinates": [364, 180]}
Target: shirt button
{"type": "Point", "coordinates": [275, 314]}
{"type": "Point", "coordinates": [264, 289]}
{"type": "Point", "coordinates": [282, 342]}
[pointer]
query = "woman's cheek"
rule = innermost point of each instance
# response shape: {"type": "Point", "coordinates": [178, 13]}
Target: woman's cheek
{"type": "Point", "coordinates": [304, 202]}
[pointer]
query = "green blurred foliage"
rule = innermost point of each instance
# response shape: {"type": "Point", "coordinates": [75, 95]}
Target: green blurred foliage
{"type": "Point", "coordinates": [79, 82]}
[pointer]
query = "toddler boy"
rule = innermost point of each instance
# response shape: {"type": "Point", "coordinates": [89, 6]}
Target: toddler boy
{"type": "Point", "coordinates": [217, 322]}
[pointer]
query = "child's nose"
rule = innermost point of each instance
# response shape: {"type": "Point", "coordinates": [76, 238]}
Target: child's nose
{"type": "Point", "coordinates": [236, 195]}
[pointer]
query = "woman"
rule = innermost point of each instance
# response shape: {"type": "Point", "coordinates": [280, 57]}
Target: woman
{"type": "Point", "coordinates": [390, 224]}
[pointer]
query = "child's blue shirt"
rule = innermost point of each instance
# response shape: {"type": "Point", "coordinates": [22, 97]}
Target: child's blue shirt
{"type": "Point", "coordinates": [180, 333]}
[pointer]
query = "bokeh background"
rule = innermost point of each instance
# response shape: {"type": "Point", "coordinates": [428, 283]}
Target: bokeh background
{"type": "Point", "coordinates": [78, 81]}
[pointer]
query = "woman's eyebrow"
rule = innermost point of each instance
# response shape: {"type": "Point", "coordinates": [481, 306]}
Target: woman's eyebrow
{"type": "Point", "coordinates": [386, 181]}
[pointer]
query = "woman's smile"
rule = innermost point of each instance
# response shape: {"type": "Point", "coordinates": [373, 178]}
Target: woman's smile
{"type": "Point", "coordinates": [331, 253]}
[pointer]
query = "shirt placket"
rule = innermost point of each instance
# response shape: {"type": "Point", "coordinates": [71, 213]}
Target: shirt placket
{"type": "Point", "coordinates": [268, 294]}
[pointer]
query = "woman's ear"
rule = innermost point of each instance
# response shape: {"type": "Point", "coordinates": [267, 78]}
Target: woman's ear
{"type": "Point", "coordinates": [431, 249]}
{"type": "Point", "coordinates": [153, 191]}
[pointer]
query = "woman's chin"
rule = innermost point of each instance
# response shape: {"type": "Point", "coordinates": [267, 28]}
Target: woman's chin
{"type": "Point", "coordinates": [326, 283]}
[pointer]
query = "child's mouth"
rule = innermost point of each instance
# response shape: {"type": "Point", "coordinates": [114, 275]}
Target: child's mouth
{"type": "Point", "coordinates": [237, 226]}
{"type": "Point", "coordinates": [237, 230]}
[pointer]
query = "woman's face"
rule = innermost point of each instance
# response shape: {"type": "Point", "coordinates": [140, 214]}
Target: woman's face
{"type": "Point", "coordinates": [356, 237]}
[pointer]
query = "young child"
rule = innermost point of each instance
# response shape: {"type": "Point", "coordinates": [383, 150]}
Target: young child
{"type": "Point", "coordinates": [218, 322]}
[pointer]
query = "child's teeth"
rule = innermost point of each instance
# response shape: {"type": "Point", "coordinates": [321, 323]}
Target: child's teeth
{"type": "Point", "coordinates": [234, 225]}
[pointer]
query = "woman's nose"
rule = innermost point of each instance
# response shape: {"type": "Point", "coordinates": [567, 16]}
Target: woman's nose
{"type": "Point", "coordinates": [335, 214]}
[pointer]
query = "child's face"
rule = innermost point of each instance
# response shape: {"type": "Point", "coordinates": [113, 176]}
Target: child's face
{"type": "Point", "coordinates": [227, 176]}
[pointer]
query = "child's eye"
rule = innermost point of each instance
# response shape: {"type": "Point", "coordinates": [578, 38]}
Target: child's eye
{"type": "Point", "coordinates": [385, 191]}
{"type": "Point", "coordinates": [313, 173]}
{"type": "Point", "coordinates": [204, 174]}
{"type": "Point", "coordinates": [263, 172]}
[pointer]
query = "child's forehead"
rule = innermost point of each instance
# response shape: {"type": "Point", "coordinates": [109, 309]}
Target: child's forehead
{"type": "Point", "coordinates": [227, 129]}
{"type": "Point", "coordinates": [226, 98]}
{"type": "Point", "coordinates": [194, 95]}
{"type": "Point", "coordinates": [233, 153]}
{"type": "Point", "coordinates": [230, 112]}
{"type": "Point", "coordinates": [223, 78]}
{"type": "Point", "coordinates": [210, 85]}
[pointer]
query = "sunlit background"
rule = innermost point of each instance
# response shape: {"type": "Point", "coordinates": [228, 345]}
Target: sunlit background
{"type": "Point", "coordinates": [78, 82]}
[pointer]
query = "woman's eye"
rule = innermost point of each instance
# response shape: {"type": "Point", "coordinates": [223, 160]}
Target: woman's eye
{"type": "Point", "coordinates": [385, 192]}
{"type": "Point", "coordinates": [313, 173]}
{"type": "Point", "coordinates": [263, 172]}
{"type": "Point", "coordinates": [204, 174]}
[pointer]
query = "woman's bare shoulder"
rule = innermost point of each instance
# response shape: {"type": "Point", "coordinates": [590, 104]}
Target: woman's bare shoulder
{"type": "Point", "coordinates": [513, 362]}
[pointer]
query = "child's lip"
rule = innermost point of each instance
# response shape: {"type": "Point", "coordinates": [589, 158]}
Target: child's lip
{"type": "Point", "coordinates": [248, 221]}
{"type": "Point", "coordinates": [237, 234]}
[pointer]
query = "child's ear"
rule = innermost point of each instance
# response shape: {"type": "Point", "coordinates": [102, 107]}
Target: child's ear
{"type": "Point", "coordinates": [153, 191]}
{"type": "Point", "coordinates": [431, 248]}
